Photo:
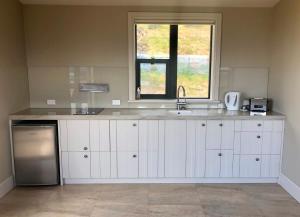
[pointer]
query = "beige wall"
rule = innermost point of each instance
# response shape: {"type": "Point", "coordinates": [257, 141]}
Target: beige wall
{"type": "Point", "coordinates": [13, 73]}
{"type": "Point", "coordinates": [285, 80]}
{"type": "Point", "coordinates": [68, 44]}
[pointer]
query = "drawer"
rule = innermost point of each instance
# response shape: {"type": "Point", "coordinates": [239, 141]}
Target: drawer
{"type": "Point", "coordinates": [251, 142]}
{"type": "Point", "coordinates": [256, 125]}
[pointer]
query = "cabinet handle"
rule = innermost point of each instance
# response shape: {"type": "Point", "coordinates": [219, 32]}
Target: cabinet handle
{"type": "Point", "coordinates": [85, 148]}
{"type": "Point", "coordinates": [221, 125]}
{"type": "Point", "coordinates": [258, 137]}
{"type": "Point", "coordinates": [134, 124]}
{"type": "Point", "coordinates": [85, 156]}
{"type": "Point", "coordinates": [203, 125]}
{"type": "Point", "coordinates": [134, 156]}
{"type": "Point", "coordinates": [220, 154]}
{"type": "Point", "coordinates": [259, 125]}
{"type": "Point", "coordinates": [257, 159]}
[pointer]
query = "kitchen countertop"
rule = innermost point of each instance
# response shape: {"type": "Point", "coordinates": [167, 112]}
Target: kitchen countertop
{"type": "Point", "coordinates": [139, 114]}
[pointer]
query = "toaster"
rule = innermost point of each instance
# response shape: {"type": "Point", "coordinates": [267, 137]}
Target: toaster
{"type": "Point", "coordinates": [258, 106]}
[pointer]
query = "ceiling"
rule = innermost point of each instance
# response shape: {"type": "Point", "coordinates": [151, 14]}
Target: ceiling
{"type": "Point", "coordinates": [200, 3]}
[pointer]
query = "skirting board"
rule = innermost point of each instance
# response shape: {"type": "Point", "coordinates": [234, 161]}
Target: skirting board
{"type": "Point", "coordinates": [290, 187]}
{"type": "Point", "coordinates": [6, 186]}
{"type": "Point", "coordinates": [169, 181]}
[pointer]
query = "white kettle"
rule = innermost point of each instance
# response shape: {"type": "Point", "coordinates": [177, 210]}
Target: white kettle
{"type": "Point", "coordinates": [233, 101]}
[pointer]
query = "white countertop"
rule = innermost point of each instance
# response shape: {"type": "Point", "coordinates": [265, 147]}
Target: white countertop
{"type": "Point", "coordinates": [139, 114]}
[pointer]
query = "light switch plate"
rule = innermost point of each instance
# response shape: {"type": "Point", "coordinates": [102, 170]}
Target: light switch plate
{"type": "Point", "coordinates": [116, 102]}
{"type": "Point", "coordinates": [51, 102]}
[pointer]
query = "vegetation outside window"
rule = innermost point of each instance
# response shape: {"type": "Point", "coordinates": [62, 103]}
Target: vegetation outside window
{"type": "Point", "coordinates": [171, 55]}
{"type": "Point", "coordinates": [171, 49]}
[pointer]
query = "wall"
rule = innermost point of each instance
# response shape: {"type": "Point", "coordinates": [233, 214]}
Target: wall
{"type": "Point", "coordinates": [285, 80]}
{"type": "Point", "coordinates": [13, 72]}
{"type": "Point", "coordinates": [68, 44]}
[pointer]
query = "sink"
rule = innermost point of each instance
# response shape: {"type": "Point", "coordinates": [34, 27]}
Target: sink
{"type": "Point", "coordinates": [181, 112]}
{"type": "Point", "coordinates": [89, 111]}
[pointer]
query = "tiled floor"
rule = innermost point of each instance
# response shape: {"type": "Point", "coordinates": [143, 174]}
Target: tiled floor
{"type": "Point", "coordinates": [151, 200]}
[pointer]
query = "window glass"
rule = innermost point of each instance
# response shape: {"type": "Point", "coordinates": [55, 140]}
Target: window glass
{"type": "Point", "coordinates": [153, 78]}
{"type": "Point", "coordinates": [193, 61]}
{"type": "Point", "coordinates": [153, 41]}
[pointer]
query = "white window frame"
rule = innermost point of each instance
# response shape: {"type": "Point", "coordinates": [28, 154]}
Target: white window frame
{"type": "Point", "coordinates": [177, 18]}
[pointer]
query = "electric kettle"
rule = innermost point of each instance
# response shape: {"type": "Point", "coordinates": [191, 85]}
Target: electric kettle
{"type": "Point", "coordinates": [233, 100]}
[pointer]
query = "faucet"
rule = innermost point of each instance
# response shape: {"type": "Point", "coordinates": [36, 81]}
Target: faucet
{"type": "Point", "coordinates": [181, 105]}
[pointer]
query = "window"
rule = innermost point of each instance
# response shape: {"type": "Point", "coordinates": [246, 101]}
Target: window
{"type": "Point", "coordinates": [169, 50]}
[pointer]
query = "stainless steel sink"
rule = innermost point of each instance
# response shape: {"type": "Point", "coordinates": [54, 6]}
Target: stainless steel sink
{"type": "Point", "coordinates": [89, 111]}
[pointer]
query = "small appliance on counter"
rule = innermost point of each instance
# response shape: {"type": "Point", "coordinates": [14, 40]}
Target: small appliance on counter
{"type": "Point", "coordinates": [259, 106]}
{"type": "Point", "coordinates": [233, 101]}
{"type": "Point", "coordinates": [246, 105]}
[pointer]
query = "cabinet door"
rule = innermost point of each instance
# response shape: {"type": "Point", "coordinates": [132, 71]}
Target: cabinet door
{"type": "Point", "coordinates": [213, 163]}
{"type": "Point", "coordinates": [79, 165]}
{"type": "Point", "coordinates": [251, 142]}
{"type": "Point", "coordinates": [227, 135]}
{"type": "Point", "coordinates": [213, 135]}
{"type": "Point", "coordinates": [200, 148]}
{"type": "Point", "coordinates": [226, 163]}
{"type": "Point", "coordinates": [127, 136]}
{"type": "Point", "coordinates": [99, 135]}
{"type": "Point", "coordinates": [78, 135]}
{"type": "Point", "coordinates": [175, 148]}
{"type": "Point", "coordinates": [276, 143]}
{"type": "Point", "coordinates": [275, 166]}
{"type": "Point", "coordinates": [127, 165]}
{"type": "Point", "coordinates": [148, 148]}
{"type": "Point", "coordinates": [250, 166]}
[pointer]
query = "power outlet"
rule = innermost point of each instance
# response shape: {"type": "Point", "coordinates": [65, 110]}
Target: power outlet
{"type": "Point", "coordinates": [116, 102]}
{"type": "Point", "coordinates": [51, 102]}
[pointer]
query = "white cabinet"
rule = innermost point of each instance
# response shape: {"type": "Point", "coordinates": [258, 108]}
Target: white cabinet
{"type": "Point", "coordinates": [250, 166]}
{"type": "Point", "coordinates": [226, 163]}
{"type": "Point", "coordinates": [175, 148]}
{"type": "Point", "coordinates": [101, 165]}
{"type": "Point", "coordinates": [251, 142]}
{"type": "Point", "coordinates": [213, 163]}
{"type": "Point", "coordinates": [159, 149]}
{"type": "Point", "coordinates": [127, 165]}
{"type": "Point", "coordinates": [127, 136]}
{"type": "Point", "coordinates": [79, 165]}
{"type": "Point", "coordinates": [148, 148]}
{"type": "Point", "coordinates": [219, 163]}
{"type": "Point", "coordinates": [99, 135]}
{"type": "Point", "coordinates": [127, 148]}
{"type": "Point", "coordinates": [75, 135]}
{"type": "Point", "coordinates": [213, 135]}
{"type": "Point", "coordinates": [220, 134]}
{"type": "Point", "coordinates": [195, 162]}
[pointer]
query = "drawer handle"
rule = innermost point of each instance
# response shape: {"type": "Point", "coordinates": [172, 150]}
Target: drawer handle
{"type": "Point", "coordinates": [221, 125]}
{"type": "Point", "coordinates": [85, 156]}
{"type": "Point", "coordinates": [134, 124]}
{"type": "Point", "coordinates": [203, 125]}
{"type": "Point", "coordinates": [259, 125]}
{"type": "Point", "coordinates": [134, 156]}
{"type": "Point", "coordinates": [85, 148]}
{"type": "Point", "coordinates": [257, 159]}
{"type": "Point", "coordinates": [258, 137]}
{"type": "Point", "coordinates": [220, 154]}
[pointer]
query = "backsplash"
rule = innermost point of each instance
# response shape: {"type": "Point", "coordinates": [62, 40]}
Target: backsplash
{"type": "Point", "coordinates": [62, 84]}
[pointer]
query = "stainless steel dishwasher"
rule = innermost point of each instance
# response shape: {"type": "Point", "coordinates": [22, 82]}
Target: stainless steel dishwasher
{"type": "Point", "coordinates": [35, 151]}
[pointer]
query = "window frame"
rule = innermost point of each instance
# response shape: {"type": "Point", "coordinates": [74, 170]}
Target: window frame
{"type": "Point", "coordinates": [214, 19]}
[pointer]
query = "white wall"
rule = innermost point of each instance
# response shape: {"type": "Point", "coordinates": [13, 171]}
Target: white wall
{"type": "Point", "coordinates": [284, 81]}
{"type": "Point", "coordinates": [13, 72]}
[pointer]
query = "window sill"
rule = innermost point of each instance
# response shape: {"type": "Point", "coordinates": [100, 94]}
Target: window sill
{"type": "Point", "coordinates": [173, 101]}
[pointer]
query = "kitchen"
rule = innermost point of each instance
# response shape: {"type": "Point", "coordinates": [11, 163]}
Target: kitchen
{"type": "Point", "coordinates": [158, 145]}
